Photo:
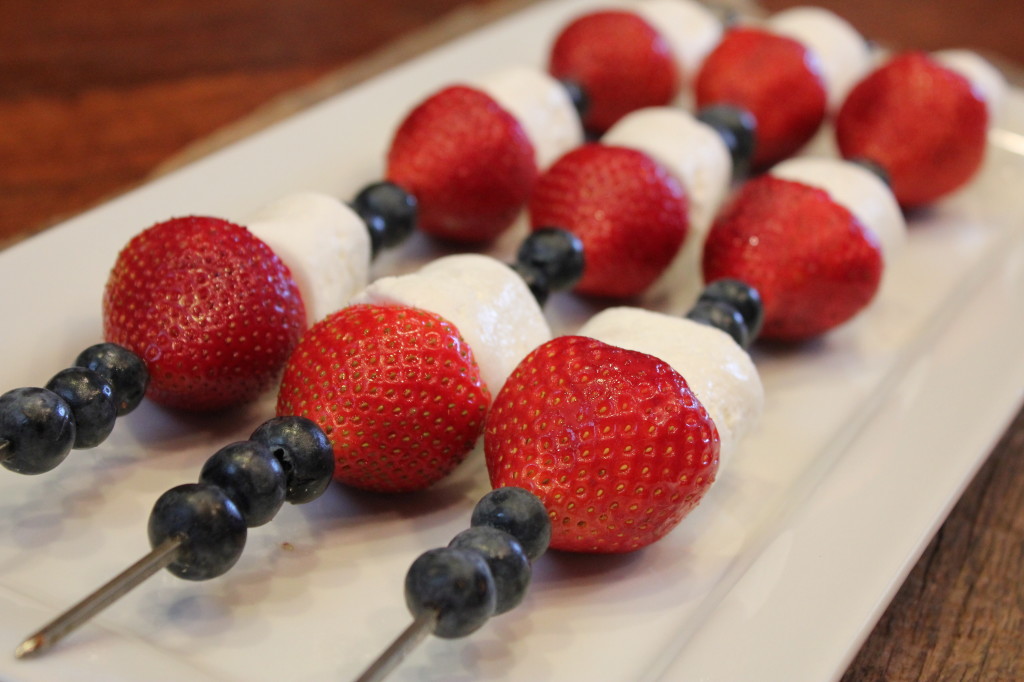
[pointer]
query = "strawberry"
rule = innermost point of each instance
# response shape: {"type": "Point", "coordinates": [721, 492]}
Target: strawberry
{"type": "Point", "coordinates": [395, 389]}
{"type": "Point", "coordinates": [468, 162]}
{"type": "Point", "coordinates": [611, 440]}
{"type": "Point", "coordinates": [814, 264]}
{"type": "Point", "coordinates": [922, 122]}
{"type": "Point", "coordinates": [621, 62]}
{"type": "Point", "coordinates": [630, 213]}
{"type": "Point", "coordinates": [774, 78]}
{"type": "Point", "coordinates": [209, 308]}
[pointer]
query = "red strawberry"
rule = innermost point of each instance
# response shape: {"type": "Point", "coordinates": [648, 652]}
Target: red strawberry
{"type": "Point", "coordinates": [923, 123]}
{"type": "Point", "coordinates": [612, 441]}
{"type": "Point", "coordinates": [396, 390]}
{"type": "Point", "coordinates": [621, 62]}
{"type": "Point", "coordinates": [772, 77]}
{"type": "Point", "coordinates": [628, 211]}
{"type": "Point", "coordinates": [813, 262]}
{"type": "Point", "coordinates": [467, 161]}
{"type": "Point", "coordinates": [210, 308]}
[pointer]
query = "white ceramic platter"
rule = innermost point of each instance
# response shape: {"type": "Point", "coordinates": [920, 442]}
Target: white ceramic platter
{"type": "Point", "coordinates": [868, 438]}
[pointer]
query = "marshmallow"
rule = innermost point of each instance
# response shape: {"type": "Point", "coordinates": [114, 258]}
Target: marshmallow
{"type": "Point", "coordinates": [323, 242]}
{"type": "Point", "coordinates": [691, 30]}
{"type": "Point", "coordinates": [541, 106]}
{"type": "Point", "coordinates": [484, 298]}
{"type": "Point", "coordinates": [841, 53]}
{"type": "Point", "coordinates": [718, 371]}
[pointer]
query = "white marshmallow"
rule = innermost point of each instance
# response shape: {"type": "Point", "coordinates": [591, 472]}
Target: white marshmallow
{"type": "Point", "coordinates": [323, 242]}
{"type": "Point", "coordinates": [691, 30]}
{"type": "Point", "coordinates": [542, 107]}
{"type": "Point", "coordinates": [858, 190]}
{"type": "Point", "coordinates": [484, 298]}
{"type": "Point", "coordinates": [698, 158]}
{"type": "Point", "coordinates": [718, 371]}
{"type": "Point", "coordinates": [988, 82]}
{"type": "Point", "coordinates": [842, 55]}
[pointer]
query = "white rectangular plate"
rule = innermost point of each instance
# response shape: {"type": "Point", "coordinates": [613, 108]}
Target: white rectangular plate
{"type": "Point", "coordinates": [869, 436]}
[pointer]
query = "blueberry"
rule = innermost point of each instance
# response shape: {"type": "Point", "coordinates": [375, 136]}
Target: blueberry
{"type": "Point", "coordinates": [741, 296]}
{"type": "Point", "coordinates": [251, 477]}
{"type": "Point", "coordinates": [208, 524]}
{"type": "Point", "coordinates": [389, 213]}
{"type": "Point", "coordinates": [304, 452]}
{"type": "Point", "coordinates": [91, 399]}
{"type": "Point", "coordinates": [738, 129]}
{"type": "Point", "coordinates": [577, 95]}
{"type": "Point", "coordinates": [457, 585]}
{"type": "Point", "coordinates": [519, 513]}
{"type": "Point", "coordinates": [37, 430]}
{"type": "Point", "coordinates": [724, 316]}
{"type": "Point", "coordinates": [876, 168]}
{"type": "Point", "coordinates": [550, 259]}
{"type": "Point", "coordinates": [510, 567]}
{"type": "Point", "coordinates": [125, 371]}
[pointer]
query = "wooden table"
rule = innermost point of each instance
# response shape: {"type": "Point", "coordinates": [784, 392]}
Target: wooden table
{"type": "Point", "coordinates": [96, 97]}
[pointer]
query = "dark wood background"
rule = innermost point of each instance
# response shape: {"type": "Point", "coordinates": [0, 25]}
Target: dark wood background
{"type": "Point", "coordinates": [96, 97]}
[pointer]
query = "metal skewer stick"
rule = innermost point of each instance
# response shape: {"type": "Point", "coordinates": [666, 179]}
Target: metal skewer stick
{"type": "Point", "coordinates": [80, 613]}
{"type": "Point", "coordinates": [403, 645]}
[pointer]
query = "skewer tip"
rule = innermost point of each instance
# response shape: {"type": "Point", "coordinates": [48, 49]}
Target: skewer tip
{"type": "Point", "coordinates": [30, 647]}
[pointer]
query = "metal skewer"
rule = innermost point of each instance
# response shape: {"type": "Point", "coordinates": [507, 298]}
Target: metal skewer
{"type": "Point", "coordinates": [124, 582]}
{"type": "Point", "coordinates": [403, 645]}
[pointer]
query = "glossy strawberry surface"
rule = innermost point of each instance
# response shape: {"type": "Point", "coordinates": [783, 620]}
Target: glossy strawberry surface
{"type": "Point", "coordinates": [468, 162]}
{"type": "Point", "coordinates": [814, 264]}
{"type": "Point", "coordinates": [395, 389]}
{"type": "Point", "coordinates": [611, 440]}
{"type": "Point", "coordinates": [212, 311]}
{"type": "Point", "coordinates": [922, 122]}
{"type": "Point", "coordinates": [621, 62]}
{"type": "Point", "coordinates": [772, 77]}
{"type": "Point", "coordinates": [628, 211]}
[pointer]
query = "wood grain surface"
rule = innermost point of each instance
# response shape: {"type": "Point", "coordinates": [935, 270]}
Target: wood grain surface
{"type": "Point", "coordinates": [97, 97]}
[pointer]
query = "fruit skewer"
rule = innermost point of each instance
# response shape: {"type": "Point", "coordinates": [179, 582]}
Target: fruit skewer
{"type": "Point", "coordinates": [199, 314]}
{"type": "Point", "coordinates": [382, 464]}
{"type": "Point", "coordinates": [198, 531]}
{"type": "Point", "coordinates": [546, 431]}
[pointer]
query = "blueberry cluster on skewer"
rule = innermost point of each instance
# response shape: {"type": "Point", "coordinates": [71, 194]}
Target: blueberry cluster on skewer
{"type": "Point", "coordinates": [75, 410]}
{"type": "Point", "coordinates": [453, 591]}
{"type": "Point", "coordinates": [197, 531]}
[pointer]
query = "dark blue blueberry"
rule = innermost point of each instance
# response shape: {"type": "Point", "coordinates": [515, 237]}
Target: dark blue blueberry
{"type": "Point", "coordinates": [509, 564]}
{"type": "Point", "coordinates": [37, 430]}
{"type": "Point", "coordinates": [454, 583]}
{"type": "Point", "coordinates": [550, 259]}
{"type": "Point", "coordinates": [125, 371]}
{"type": "Point", "coordinates": [721, 315]}
{"type": "Point", "coordinates": [389, 213]}
{"type": "Point", "coordinates": [304, 452]}
{"type": "Point", "coordinates": [91, 399]}
{"type": "Point", "coordinates": [251, 477]}
{"type": "Point", "coordinates": [208, 524]}
{"type": "Point", "coordinates": [578, 96]}
{"type": "Point", "coordinates": [876, 168]}
{"type": "Point", "coordinates": [741, 296]}
{"type": "Point", "coordinates": [519, 513]}
{"type": "Point", "coordinates": [738, 129]}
